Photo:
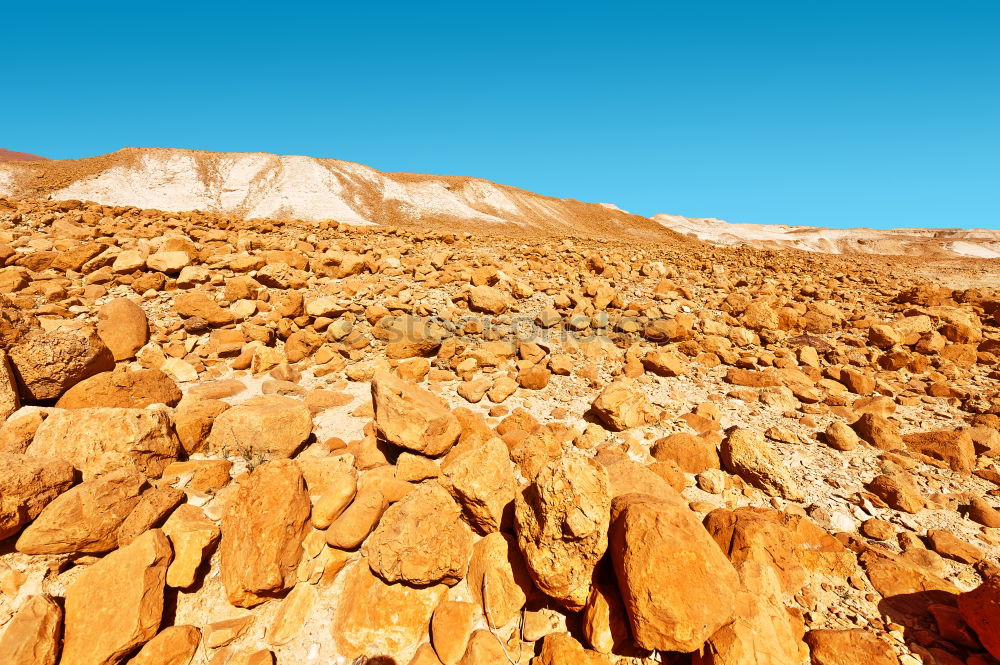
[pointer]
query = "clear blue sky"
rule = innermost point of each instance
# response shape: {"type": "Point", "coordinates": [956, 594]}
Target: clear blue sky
{"type": "Point", "coordinates": [880, 114]}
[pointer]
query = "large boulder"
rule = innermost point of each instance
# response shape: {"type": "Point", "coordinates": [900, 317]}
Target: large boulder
{"type": "Point", "coordinates": [98, 440]}
{"type": "Point", "coordinates": [27, 485]}
{"type": "Point", "coordinates": [981, 610]}
{"type": "Point", "coordinates": [411, 418]}
{"type": "Point", "coordinates": [122, 389]}
{"type": "Point", "coordinates": [48, 364]}
{"type": "Point", "coordinates": [790, 544]}
{"type": "Point", "coordinates": [421, 540]}
{"type": "Point", "coordinates": [481, 479]}
{"type": "Point", "coordinates": [123, 327]}
{"type": "Point", "coordinates": [623, 405]}
{"type": "Point", "coordinates": [272, 426]}
{"type": "Point", "coordinates": [380, 619]}
{"type": "Point", "coordinates": [748, 455]}
{"type": "Point", "coordinates": [849, 647]}
{"type": "Point", "coordinates": [99, 632]}
{"type": "Point", "coordinates": [677, 585]}
{"type": "Point", "coordinates": [952, 447]}
{"type": "Point", "coordinates": [32, 637]}
{"type": "Point", "coordinates": [262, 533]}
{"type": "Point", "coordinates": [84, 518]}
{"type": "Point", "coordinates": [562, 527]}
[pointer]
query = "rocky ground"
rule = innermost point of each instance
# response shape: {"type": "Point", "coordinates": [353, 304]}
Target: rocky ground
{"type": "Point", "coordinates": [255, 442]}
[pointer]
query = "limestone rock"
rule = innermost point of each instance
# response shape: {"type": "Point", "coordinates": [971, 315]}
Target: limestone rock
{"type": "Point", "coordinates": [481, 480]}
{"type": "Point", "coordinates": [848, 647]}
{"type": "Point", "coordinates": [981, 610]}
{"type": "Point", "coordinates": [27, 485]}
{"type": "Point", "coordinates": [48, 364]}
{"type": "Point", "coordinates": [498, 578]}
{"type": "Point", "coordinates": [84, 518]}
{"type": "Point", "coordinates": [192, 535]}
{"type": "Point", "coordinates": [623, 405]}
{"type": "Point", "coordinates": [381, 619]}
{"type": "Point", "coordinates": [193, 420]}
{"type": "Point", "coordinates": [748, 455]}
{"type": "Point", "coordinates": [840, 436]}
{"type": "Point", "coordinates": [123, 327]}
{"type": "Point", "coordinates": [10, 400]}
{"type": "Point", "coordinates": [562, 523]}
{"type": "Point", "coordinates": [451, 627]}
{"type": "Point", "coordinates": [411, 418]}
{"type": "Point", "coordinates": [952, 447]}
{"type": "Point", "coordinates": [174, 645]}
{"type": "Point", "coordinates": [353, 525]}
{"type": "Point", "coordinates": [32, 637]}
{"type": "Point", "coordinates": [605, 621]}
{"type": "Point", "coordinates": [421, 540]}
{"type": "Point", "coordinates": [294, 611]}
{"type": "Point", "coordinates": [898, 491]}
{"type": "Point", "coordinates": [99, 632]}
{"type": "Point", "coordinates": [122, 389]}
{"type": "Point", "coordinates": [262, 533]}
{"type": "Point", "coordinates": [96, 440]}
{"type": "Point", "coordinates": [693, 454]}
{"type": "Point", "coordinates": [273, 426]}
{"type": "Point", "coordinates": [677, 586]}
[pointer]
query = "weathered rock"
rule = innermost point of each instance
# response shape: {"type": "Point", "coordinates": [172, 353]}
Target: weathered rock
{"type": "Point", "coordinates": [411, 418]}
{"type": "Point", "coordinates": [381, 619]}
{"type": "Point", "coordinates": [192, 535]}
{"type": "Point", "coordinates": [483, 648]}
{"type": "Point", "coordinates": [97, 440]}
{"type": "Point", "coordinates": [174, 645]}
{"type": "Point", "coordinates": [840, 436]}
{"type": "Point", "coordinates": [33, 636]}
{"type": "Point", "coordinates": [201, 305]}
{"type": "Point", "coordinates": [677, 586]}
{"type": "Point", "coordinates": [879, 431]}
{"type": "Point", "coordinates": [271, 426]}
{"type": "Point", "coordinates": [693, 454]}
{"type": "Point", "coordinates": [487, 299]}
{"type": "Point", "coordinates": [563, 649]}
{"type": "Point", "coordinates": [421, 540]}
{"type": "Point", "coordinates": [498, 578]}
{"type": "Point", "coordinates": [981, 610]}
{"type": "Point", "coordinates": [10, 400]}
{"type": "Point", "coordinates": [748, 455]}
{"type": "Point", "coordinates": [337, 495]}
{"type": "Point", "coordinates": [47, 364]}
{"type": "Point", "coordinates": [122, 389]}
{"type": "Point", "coordinates": [981, 512]}
{"type": "Point", "coordinates": [605, 621]}
{"type": "Point", "coordinates": [152, 509]}
{"type": "Point", "coordinates": [103, 633]}
{"type": "Point", "coordinates": [562, 523]}
{"type": "Point", "coordinates": [481, 480]}
{"type": "Point", "coordinates": [949, 546]}
{"type": "Point", "coordinates": [27, 485]}
{"type": "Point", "coordinates": [848, 647]}
{"type": "Point", "coordinates": [84, 518]}
{"type": "Point", "coordinates": [952, 447]}
{"type": "Point", "coordinates": [623, 405]}
{"type": "Point", "coordinates": [295, 609]}
{"type": "Point", "coordinates": [451, 627]}
{"type": "Point", "coordinates": [898, 491]}
{"type": "Point", "coordinates": [123, 327]}
{"type": "Point", "coordinates": [353, 525]}
{"type": "Point", "coordinates": [788, 543]}
{"type": "Point", "coordinates": [193, 420]}
{"type": "Point", "coordinates": [262, 533]}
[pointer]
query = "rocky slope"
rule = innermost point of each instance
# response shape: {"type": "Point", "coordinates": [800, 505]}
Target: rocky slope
{"type": "Point", "coordinates": [284, 442]}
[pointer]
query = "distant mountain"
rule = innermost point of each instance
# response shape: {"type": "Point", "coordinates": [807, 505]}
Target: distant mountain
{"type": "Point", "coordinates": [943, 243]}
{"type": "Point", "coordinates": [259, 185]}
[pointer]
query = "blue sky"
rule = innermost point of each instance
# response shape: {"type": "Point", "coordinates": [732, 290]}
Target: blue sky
{"type": "Point", "coordinates": [879, 114]}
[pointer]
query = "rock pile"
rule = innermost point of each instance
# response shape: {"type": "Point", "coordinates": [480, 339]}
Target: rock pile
{"type": "Point", "coordinates": [249, 442]}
